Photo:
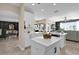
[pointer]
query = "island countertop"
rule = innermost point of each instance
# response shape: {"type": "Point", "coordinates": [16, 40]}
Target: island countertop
{"type": "Point", "coordinates": [46, 42]}
{"type": "Point", "coordinates": [59, 33]}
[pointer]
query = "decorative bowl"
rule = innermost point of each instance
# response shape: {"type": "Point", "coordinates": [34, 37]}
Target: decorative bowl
{"type": "Point", "coordinates": [47, 35]}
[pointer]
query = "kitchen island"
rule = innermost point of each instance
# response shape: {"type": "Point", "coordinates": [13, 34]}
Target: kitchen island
{"type": "Point", "coordinates": [62, 36]}
{"type": "Point", "coordinates": [41, 46]}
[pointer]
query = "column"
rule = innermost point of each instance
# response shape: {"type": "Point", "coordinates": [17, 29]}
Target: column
{"type": "Point", "coordinates": [21, 27]}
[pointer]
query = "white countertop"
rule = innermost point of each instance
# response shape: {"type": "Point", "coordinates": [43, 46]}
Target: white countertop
{"type": "Point", "coordinates": [46, 42]}
{"type": "Point", "coordinates": [59, 33]}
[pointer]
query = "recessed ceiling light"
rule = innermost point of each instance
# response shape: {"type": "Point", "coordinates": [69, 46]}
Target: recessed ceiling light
{"type": "Point", "coordinates": [42, 9]}
{"type": "Point", "coordinates": [33, 4]}
{"type": "Point", "coordinates": [54, 4]}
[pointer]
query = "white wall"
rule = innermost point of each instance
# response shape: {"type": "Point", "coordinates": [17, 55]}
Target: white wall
{"type": "Point", "coordinates": [69, 15]}
{"type": "Point", "coordinates": [71, 11]}
{"type": "Point", "coordinates": [8, 7]}
{"type": "Point", "coordinates": [8, 19]}
{"type": "Point", "coordinates": [8, 12]}
{"type": "Point", "coordinates": [8, 16]}
{"type": "Point", "coordinates": [29, 17]}
{"type": "Point", "coordinates": [13, 17]}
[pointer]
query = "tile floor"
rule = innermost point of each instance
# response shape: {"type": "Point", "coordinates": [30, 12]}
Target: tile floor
{"type": "Point", "coordinates": [71, 48]}
{"type": "Point", "coordinates": [9, 47]}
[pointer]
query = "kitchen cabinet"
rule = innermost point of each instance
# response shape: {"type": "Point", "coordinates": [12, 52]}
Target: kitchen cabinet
{"type": "Point", "coordinates": [72, 35]}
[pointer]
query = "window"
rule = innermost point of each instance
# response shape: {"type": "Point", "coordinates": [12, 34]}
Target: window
{"type": "Point", "coordinates": [69, 25]}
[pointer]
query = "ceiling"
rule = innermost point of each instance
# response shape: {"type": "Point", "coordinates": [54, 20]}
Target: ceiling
{"type": "Point", "coordinates": [47, 10]}
{"type": "Point", "coordinates": [8, 14]}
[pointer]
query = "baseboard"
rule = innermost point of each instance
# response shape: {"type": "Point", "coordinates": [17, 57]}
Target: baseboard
{"type": "Point", "coordinates": [72, 40]}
